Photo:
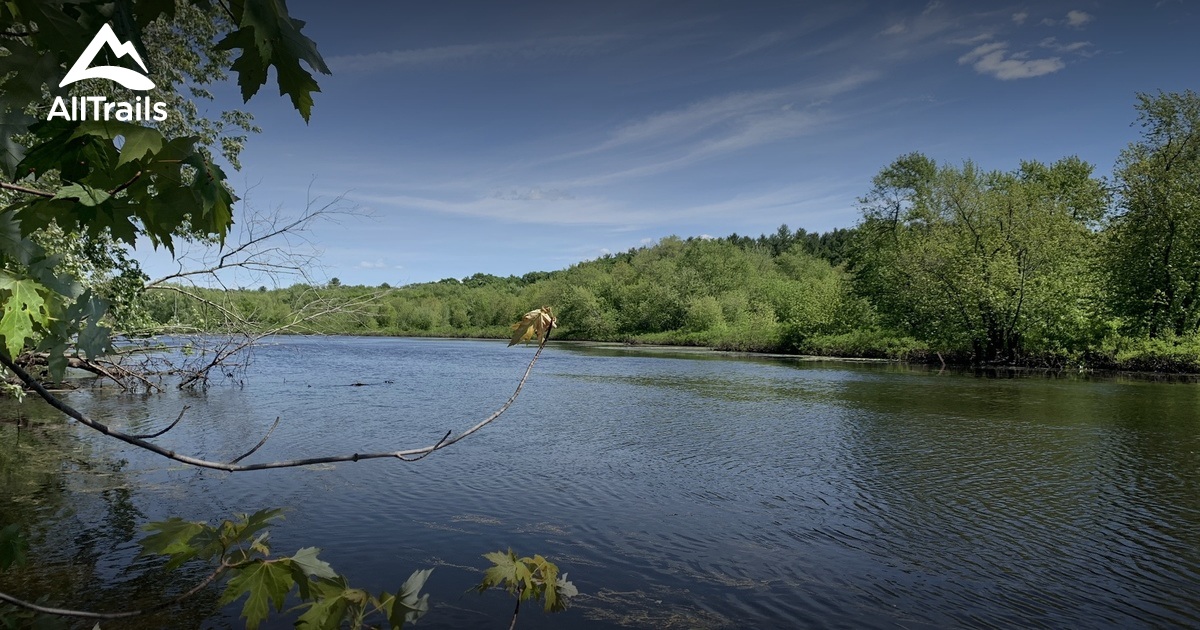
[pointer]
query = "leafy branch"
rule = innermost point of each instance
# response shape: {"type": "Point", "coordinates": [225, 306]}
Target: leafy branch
{"type": "Point", "coordinates": [529, 578]}
{"type": "Point", "coordinates": [242, 556]}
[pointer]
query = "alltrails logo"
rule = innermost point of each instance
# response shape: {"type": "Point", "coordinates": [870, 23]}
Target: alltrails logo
{"type": "Point", "coordinates": [99, 107]}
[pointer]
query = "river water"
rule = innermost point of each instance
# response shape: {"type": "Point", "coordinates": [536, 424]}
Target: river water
{"type": "Point", "coordinates": [677, 489]}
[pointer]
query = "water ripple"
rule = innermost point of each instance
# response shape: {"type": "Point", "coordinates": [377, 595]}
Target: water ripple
{"type": "Point", "coordinates": [702, 493]}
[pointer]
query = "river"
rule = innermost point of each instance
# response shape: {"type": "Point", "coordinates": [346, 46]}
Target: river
{"type": "Point", "coordinates": [678, 489]}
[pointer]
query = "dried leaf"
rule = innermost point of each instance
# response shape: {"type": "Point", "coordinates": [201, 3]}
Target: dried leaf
{"type": "Point", "coordinates": [536, 322]}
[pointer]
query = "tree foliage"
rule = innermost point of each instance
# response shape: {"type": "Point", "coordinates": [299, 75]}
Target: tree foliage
{"type": "Point", "coordinates": [1153, 249]}
{"type": "Point", "coordinates": [982, 262]}
{"type": "Point", "coordinates": [528, 579]}
{"type": "Point", "coordinates": [241, 551]}
{"type": "Point", "coordinates": [111, 180]}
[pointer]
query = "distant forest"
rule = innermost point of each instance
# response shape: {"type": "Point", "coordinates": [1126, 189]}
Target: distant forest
{"type": "Point", "coordinates": [1046, 264]}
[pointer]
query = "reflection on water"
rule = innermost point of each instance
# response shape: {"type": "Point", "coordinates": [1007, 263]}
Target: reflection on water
{"type": "Point", "coordinates": [679, 490]}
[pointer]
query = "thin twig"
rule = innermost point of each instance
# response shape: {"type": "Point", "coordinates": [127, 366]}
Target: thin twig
{"type": "Point", "coordinates": [150, 436]}
{"type": "Point", "coordinates": [131, 374]}
{"type": "Point", "coordinates": [27, 191]}
{"type": "Point", "coordinates": [249, 248]}
{"type": "Point", "coordinates": [435, 447]}
{"type": "Point", "coordinates": [260, 443]}
{"type": "Point", "coordinates": [516, 609]}
{"type": "Point", "coordinates": [127, 184]}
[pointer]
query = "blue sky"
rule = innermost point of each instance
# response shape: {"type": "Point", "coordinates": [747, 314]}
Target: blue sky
{"type": "Point", "coordinates": [514, 137]}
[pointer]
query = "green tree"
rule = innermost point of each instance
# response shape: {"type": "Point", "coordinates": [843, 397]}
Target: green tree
{"type": "Point", "coordinates": [972, 261]}
{"type": "Point", "coordinates": [1153, 248]}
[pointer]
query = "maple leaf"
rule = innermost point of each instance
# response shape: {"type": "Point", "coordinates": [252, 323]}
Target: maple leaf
{"type": "Point", "coordinates": [24, 308]}
{"type": "Point", "coordinates": [536, 322]}
{"type": "Point", "coordinates": [265, 583]}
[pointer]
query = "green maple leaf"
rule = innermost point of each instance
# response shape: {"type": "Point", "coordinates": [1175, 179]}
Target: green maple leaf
{"type": "Point", "coordinates": [138, 142]}
{"type": "Point", "coordinates": [173, 537]}
{"type": "Point", "coordinates": [323, 614]}
{"type": "Point", "coordinates": [547, 573]}
{"type": "Point", "coordinates": [305, 563]}
{"type": "Point", "coordinates": [24, 308]}
{"type": "Point", "coordinates": [409, 605]}
{"type": "Point", "coordinates": [267, 37]}
{"type": "Point", "coordinates": [508, 572]}
{"type": "Point", "coordinates": [263, 583]}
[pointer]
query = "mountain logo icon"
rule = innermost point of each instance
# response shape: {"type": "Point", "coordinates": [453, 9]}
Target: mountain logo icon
{"type": "Point", "coordinates": [126, 77]}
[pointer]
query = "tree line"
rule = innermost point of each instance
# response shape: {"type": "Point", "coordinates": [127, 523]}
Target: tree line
{"type": "Point", "coordinates": [1046, 264]}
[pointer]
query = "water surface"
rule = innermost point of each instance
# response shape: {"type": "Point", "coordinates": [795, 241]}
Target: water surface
{"type": "Point", "coordinates": [678, 490]}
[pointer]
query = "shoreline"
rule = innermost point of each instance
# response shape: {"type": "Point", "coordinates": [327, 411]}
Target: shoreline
{"type": "Point", "coordinates": [935, 365]}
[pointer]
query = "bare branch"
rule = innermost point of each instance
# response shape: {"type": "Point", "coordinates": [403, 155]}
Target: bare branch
{"type": "Point", "coordinates": [229, 314]}
{"type": "Point", "coordinates": [26, 190]}
{"type": "Point", "coordinates": [252, 254]}
{"type": "Point", "coordinates": [403, 455]}
{"type": "Point", "coordinates": [79, 363]}
{"type": "Point", "coordinates": [127, 373]}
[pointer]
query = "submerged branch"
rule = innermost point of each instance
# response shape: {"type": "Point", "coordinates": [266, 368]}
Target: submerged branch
{"type": "Point", "coordinates": [85, 614]}
{"type": "Point", "coordinates": [234, 466]}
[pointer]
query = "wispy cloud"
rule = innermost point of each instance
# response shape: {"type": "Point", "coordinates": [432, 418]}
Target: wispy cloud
{"type": "Point", "coordinates": [598, 211]}
{"type": "Point", "coordinates": [372, 264]}
{"type": "Point", "coordinates": [574, 45]}
{"type": "Point", "coordinates": [761, 42]}
{"type": "Point", "coordinates": [566, 211]}
{"type": "Point", "coordinates": [1073, 19]}
{"type": "Point", "coordinates": [708, 128]}
{"type": "Point", "coordinates": [1020, 16]}
{"type": "Point", "coordinates": [995, 59]}
{"type": "Point", "coordinates": [532, 194]}
{"type": "Point", "coordinates": [1074, 47]}
{"type": "Point", "coordinates": [689, 121]}
{"type": "Point", "coordinates": [750, 131]}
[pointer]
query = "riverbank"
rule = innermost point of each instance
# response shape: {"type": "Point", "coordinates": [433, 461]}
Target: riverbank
{"type": "Point", "coordinates": [1155, 358]}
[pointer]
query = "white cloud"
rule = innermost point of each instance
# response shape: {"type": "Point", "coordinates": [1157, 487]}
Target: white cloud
{"type": "Point", "coordinates": [1077, 19]}
{"type": "Point", "coordinates": [372, 264]}
{"type": "Point", "coordinates": [994, 59]}
{"type": "Point", "coordinates": [1020, 17]}
{"type": "Point", "coordinates": [895, 29]}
